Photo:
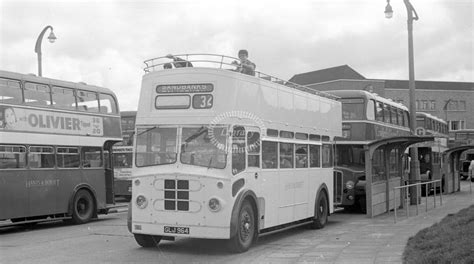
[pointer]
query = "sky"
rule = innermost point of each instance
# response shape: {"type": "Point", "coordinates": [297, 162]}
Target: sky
{"type": "Point", "coordinates": [105, 42]}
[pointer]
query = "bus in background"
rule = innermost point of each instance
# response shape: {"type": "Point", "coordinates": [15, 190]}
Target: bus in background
{"type": "Point", "coordinates": [224, 155]}
{"type": "Point", "coordinates": [123, 156]}
{"type": "Point", "coordinates": [55, 140]}
{"type": "Point", "coordinates": [464, 137]}
{"type": "Point", "coordinates": [430, 153]}
{"type": "Point", "coordinates": [366, 117]}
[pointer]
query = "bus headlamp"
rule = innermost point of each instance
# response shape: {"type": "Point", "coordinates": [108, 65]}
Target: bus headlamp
{"type": "Point", "coordinates": [141, 201]}
{"type": "Point", "coordinates": [214, 205]}
{"type": "Point", "coordinates": [349, 185]}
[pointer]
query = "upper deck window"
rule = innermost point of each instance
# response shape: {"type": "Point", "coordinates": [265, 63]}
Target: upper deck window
{"type": "Point", "coordinates": [107, 104]}
{"type": "Point", "coordinates": [63, 98]}
{"type": "Point", "coordinates": [10, 91]}
{"type": "Point", "coordinates": [87, 101]}
{"type": "Point", "coordinates": [353, 109]}
{"type": "Point", "coordinates": [37, 94]}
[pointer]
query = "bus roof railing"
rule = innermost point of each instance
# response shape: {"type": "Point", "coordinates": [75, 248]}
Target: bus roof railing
{"type": "Point", "coordinates": [207, 60]}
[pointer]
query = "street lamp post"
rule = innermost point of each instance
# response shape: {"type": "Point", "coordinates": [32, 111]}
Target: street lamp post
{"type": "Point", "coordinates": [414, 164]}
{"type": "Point", "coordinates": [51, 39]}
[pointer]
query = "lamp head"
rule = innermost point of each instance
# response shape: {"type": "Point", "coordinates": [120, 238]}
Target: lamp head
{"type": "Point", "coordinates": [388, 10]}
{"type": "Point", "coordinates": [52, 37]}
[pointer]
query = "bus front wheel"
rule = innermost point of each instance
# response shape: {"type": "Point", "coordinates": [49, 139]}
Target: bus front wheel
{"type": "Point", "coordinates": [321, 211]}
{"type": "Point", "coordinates": [246, 228]}
{"type": "Point", "coordinates": [82, 207]}
{"type": "Point", "coordinates": [147, 240]}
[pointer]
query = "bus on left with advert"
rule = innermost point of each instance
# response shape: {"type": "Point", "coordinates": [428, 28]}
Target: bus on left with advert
{"type": "Point", "coordinates": [55, 140]}
{"type": "Point", "coordinates": [224, 155]}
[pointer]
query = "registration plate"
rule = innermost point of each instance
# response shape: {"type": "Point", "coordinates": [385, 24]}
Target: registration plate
{"type": "Point", "coordinates": [176, 230]}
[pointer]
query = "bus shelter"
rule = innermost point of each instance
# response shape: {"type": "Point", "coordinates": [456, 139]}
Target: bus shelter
{"type": "Point", "coordinates": [385, 168]}
{"type": "Point", "coordinates": [451, 160]}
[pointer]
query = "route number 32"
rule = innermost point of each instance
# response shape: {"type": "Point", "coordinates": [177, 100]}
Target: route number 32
{"type": "Point", "coordinates": [202, 101]}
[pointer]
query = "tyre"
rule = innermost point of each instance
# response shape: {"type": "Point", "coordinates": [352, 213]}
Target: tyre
{"type": "Point", "coordinates": [83, 207]}
{"type": "Point", "coordinates": [246, 229]}
{"type": "Point", "coordinates": [320, 211]}
{"type": "Point", "coordinates": [147, 240]}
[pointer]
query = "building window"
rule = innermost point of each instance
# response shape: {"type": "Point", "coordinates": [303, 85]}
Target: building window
{"type": "Point", "coordinates": [456, 125]}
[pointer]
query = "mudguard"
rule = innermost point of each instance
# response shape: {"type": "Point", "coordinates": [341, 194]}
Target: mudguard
{"type": "Point", "coordinates": [235, 210]}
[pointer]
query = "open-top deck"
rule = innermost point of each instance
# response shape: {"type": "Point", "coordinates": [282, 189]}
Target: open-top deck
{"type": "Point", "coordinates": [216, 61]}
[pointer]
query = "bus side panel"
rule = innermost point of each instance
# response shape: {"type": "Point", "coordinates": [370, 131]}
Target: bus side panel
{"type": "Point", "coordinates": [42, 187]}
{"type": "Point", "coordinates": [13, 194]}
{"type": "Point", "coordinates": [70, 179]}
{"type": "Point", "coordinates": [268, 191]}
{"type": "Point", "coordinates": [286, 196]}
{"type": "Point", "coordinates": [301, 187]}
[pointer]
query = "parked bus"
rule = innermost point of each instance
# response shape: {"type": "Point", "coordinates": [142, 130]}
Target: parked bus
{"type": "Point", "coordinates": [464, 137]}
{"type": "Point", "coordinates": [55, 137]}
{"type": "Point", "coordinates": [366, 117]}
{"type": "Point", "coordinates": [123, 156]}
{"type": "Point", "coordinates": [224, 155]}
{"type": "Point", "coordinates": [430, 153]}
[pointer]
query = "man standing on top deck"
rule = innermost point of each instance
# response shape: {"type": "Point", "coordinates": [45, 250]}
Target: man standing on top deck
{"type": "Point", "coordinates": [245, 66]}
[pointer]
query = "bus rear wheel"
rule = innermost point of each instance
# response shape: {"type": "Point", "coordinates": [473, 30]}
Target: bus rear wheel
{"type": "Point", "coordinates": [82, 207]}
{"type": "Point", "coordinates": [147, 240]}
{"type": "Point", "coordinates": [321, 211]}
{"type": "Point", "coordinates": [246, 230]}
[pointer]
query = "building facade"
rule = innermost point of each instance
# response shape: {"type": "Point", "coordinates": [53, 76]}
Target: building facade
{"type": "Point", "coordinates": [450, 101]}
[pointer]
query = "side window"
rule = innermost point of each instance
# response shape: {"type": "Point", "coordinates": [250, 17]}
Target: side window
{"type": "Point", "coordinates": [238, 149]}
{"type": "Point", "coordinates": [386, 113]}
{"type": "Point", "coordinates": [394, 115]}
{"type": "Point", "coordinates": [406, 119]}
{"type": "Point", "coordinates": [301, 155]}
{"type": "Point", "coordinates": [41, 157]}
{"type": "Point", "coordinates": [370, 110]}
{"type": "Point", "coordinates": [269, 155]}
{"type": "Point", "coordinates": [327, 156]}
{"type": "Point", "coordinates": [286, 155]}
{"type": "Point", "coordinates": [379, 111]}
{"type": "Point", "coordinates": [12, 157]}
{"type": "Point", "coordinates": [87, 101]}
{"type": "Point", "coordinates": [10, 92]}
{"type": "Point", "coordinates": [67, 157]}
{"type": "Point", "coordinates": [37, 94]}
{"type": "Point", "coordinates": [107, 104]}
{"type": "Point", "coordinates": [253, 149]}
{"type": "Point", "coordinates": [314, 156]}
{"type": "Point", "coordinates": [63, 98]}
{"type": "Point", "coordinates": [92, 157]}
{"type": "Point", "coordinates": [400, 117]}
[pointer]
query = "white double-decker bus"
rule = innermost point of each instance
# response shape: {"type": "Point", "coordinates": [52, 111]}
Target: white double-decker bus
{"type": "Point", "coordinates": [224, 155]}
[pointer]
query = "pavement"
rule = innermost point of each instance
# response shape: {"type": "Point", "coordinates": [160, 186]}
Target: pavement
{"type": "Point", "coordinates": [359, 239]}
